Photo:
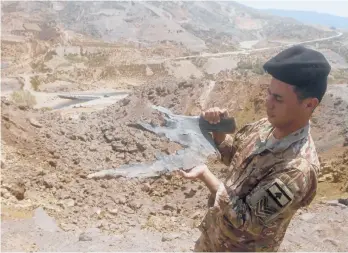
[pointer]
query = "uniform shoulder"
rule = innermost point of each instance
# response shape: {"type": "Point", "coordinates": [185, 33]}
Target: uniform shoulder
{"type": "Point", "coordinates": [304, 151]}
{"type": "Point", "coordinates": [302, 177]}
{"type": "Point", "coordinates": [300, 164]}
{"type": "Point", "coordinates": [256, 125]}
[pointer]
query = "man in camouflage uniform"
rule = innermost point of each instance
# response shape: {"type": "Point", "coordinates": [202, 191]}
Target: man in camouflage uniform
{"type": "Point", "coordinates": [273, 162]}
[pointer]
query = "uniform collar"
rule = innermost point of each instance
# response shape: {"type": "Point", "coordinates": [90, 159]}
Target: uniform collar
{"type": "Point", "coordinates": [279, 145]}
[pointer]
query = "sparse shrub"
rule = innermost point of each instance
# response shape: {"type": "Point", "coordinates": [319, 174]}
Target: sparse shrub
{"type": "Point", "coordinates": [23, 97]}
{"type": "Point", "coordinates": [339, 74]}
{"type": "Point", "coordinates": [97, 60]}
{"type": "Point", "coordinates": [331, 80]}
{"type": "Point", "coordinates": [40, 67]}
{"type": "Point", "coordinates": [245, 64]}
{"type": "Point", "coordinates": [46, 109]}
{"type": "Point", "coordinates": [74, 58]}
{"type": "Point", "coordinates": [258, 67]}
{"type": "Point", "coordinates": [35, 83]}
{"type": "Point", "coordinates": [49, 55]}
{"type": "Point", "coordinates": [109, 72]}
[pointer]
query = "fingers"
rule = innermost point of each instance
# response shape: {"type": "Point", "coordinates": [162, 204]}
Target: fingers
{"type": "Point", "coordinates": [192, 173]}
{"type": "Point", "coordinates": [224, 113]}
{"type": "Point", "coordinates": [186, 175]}
{"type": "Point", "coordinates": [214, 115]}
{"type": "Point", "coordinates": [182, 173]}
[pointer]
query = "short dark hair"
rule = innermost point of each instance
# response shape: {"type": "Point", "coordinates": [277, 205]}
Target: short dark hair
{"type": "Point", "coordinates": [311, 91]}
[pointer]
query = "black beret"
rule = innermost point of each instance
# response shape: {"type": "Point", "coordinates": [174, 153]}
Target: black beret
{"type": "Point", "coordinates": [299, 66]}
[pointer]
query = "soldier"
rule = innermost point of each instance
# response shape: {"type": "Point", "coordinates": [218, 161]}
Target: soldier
{"type": "Point", "coordinates": [273, 162]}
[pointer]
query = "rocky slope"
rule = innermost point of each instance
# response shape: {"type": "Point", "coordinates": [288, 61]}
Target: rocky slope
{"type": "Point", "coordinates": [46, 158]}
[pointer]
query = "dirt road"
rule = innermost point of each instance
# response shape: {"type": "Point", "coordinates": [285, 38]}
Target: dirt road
{"type": "Point", "coordinates": [248, 51]}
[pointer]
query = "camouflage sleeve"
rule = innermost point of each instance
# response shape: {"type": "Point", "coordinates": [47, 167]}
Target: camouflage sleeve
{"type": "Point", "coordinates": [275, 199]}
{"type": "Point", "coordinates": [229, 146]}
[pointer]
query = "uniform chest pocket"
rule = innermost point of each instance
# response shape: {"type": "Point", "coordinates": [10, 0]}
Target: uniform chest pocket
{"type": "Point", "coordinates": [257, 170]}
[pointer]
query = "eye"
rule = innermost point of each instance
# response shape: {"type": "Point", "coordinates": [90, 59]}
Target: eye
{"type": "Point", "coordinates": [278, 99]}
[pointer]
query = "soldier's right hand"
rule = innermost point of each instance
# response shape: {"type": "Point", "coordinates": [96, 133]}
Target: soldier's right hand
{"type": "Point", "coordinates": [214, 115]}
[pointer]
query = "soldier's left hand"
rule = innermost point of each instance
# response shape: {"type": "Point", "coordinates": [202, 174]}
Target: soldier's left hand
{"type": "Point", "coordinates": [194, 173]}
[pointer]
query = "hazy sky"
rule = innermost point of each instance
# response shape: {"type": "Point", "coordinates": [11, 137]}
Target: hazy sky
{"type": "Point", "coordinates": [339, 8]}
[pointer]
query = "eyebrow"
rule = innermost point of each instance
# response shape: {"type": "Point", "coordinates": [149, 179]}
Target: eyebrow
{"type": "Point", "coordinates": [274, 94]}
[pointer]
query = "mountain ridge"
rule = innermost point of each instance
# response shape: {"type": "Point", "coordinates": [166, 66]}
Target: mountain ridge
{"type": "Point", "coordinates": [312, 17]}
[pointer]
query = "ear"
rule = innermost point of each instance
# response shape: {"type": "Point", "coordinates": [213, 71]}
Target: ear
{"type": "Point", "coordinates": [311, 103]}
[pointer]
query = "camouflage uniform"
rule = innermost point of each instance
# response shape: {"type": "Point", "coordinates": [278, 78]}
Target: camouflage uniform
{"type": "Point", "coordinates": [269, 181]}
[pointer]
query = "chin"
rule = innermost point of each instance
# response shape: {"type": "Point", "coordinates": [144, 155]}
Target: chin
{"type": "Point", "coordinates": [271, 120]}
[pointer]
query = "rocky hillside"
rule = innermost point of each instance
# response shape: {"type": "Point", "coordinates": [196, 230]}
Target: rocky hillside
{"type": "Point", "coordinates": [197, 26]}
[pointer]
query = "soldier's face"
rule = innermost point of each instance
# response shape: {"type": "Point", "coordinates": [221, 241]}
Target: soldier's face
{"type": "Point", "coordinates": [283, 106]}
